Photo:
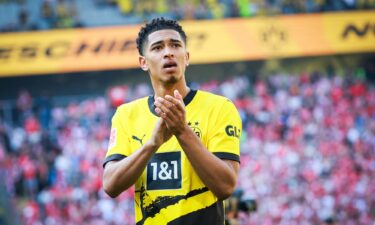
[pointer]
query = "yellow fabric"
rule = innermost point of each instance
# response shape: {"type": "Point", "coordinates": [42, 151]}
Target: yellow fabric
{"type": "Point", "coordinates": [213, 118]}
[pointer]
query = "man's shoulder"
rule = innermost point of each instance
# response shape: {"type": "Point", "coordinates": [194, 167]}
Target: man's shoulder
{"type": "Point", "coordinates": [212, 97]}
{"type": "Point", "coordinates": [133, 105]}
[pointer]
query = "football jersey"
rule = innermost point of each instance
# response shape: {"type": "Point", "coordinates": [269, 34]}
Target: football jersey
{"type": "Point", "coordinates": [169, 191]}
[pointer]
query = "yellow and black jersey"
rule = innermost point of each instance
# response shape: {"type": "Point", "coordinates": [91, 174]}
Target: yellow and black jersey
{"type": "Point", "coordinates": [169, 190]}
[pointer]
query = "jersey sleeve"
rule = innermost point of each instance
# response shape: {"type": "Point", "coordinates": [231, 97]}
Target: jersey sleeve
{"type": "Point", "coordinates": [224, 137]}
{"type": "Point", "coordinates": [119, 139]}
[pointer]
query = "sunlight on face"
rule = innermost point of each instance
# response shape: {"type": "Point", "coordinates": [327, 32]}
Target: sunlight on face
{"type": "Point", "coordinates": [165, 56]}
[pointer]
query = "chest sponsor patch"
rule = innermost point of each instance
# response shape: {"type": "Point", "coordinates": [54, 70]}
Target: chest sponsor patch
{"type": "Point", "coordinates": [164, 171]}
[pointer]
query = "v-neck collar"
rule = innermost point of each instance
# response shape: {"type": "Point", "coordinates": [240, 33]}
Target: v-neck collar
{"type": "Point", "coordinates": [188, 98]}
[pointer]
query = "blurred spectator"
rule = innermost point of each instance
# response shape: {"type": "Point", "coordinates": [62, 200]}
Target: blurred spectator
{"type": "Point", "coordinates": [48, 15]}
{"type": "Point", "coordinates": [125, 6]}
{"type": "Point", "coordinates": [117, 95]}
{"type": "Point", "coordinates": [24, 105]}
{"type": "Point", "coordinates": [5, 147]}
{"type": "Point", "coordinates": [43, 109]}
{"type": "Point", "coordinates": [23, 20]}
{"type": "Point", "coordinates": [306, 153]}
{"type": "Point", "coordinates": [67, 13]}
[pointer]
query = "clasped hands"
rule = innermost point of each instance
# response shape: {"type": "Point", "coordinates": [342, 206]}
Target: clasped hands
{"type": "Point", "coordinates": [172, 111]}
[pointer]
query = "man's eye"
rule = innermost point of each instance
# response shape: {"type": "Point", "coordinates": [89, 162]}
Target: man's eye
{"type": "Point", "coordinates": [156, 48]}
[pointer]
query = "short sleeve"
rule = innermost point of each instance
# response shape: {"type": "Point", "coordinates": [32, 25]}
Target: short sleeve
{"type": "Point", "coordinates": [225, 132]}
{"type": "Point", "coordinates": [118, 144]}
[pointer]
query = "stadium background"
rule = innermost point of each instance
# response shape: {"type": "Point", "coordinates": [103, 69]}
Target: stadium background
{"type": "Point", "coordinates": [300, 72]}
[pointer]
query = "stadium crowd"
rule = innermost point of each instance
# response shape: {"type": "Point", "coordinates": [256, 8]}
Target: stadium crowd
{"type": "Point", "coordinates": [307, 153]}
{"type": "Point", "coordinates": [24, 15]}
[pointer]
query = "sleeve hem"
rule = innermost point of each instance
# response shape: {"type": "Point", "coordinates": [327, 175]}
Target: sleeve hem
{"type": "Point", "coordinates": [114, 157]}
{"type": "Point", "coordinates": [227, 155]}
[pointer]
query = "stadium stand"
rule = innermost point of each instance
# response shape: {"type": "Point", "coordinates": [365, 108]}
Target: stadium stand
{"type": "Point", "coordinates": [24, 15]}
{"type": "Point", "coordinates": [307, 152]}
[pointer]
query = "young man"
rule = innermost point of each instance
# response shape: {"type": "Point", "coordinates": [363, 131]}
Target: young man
{"type": "Point", "coordinates": [180, 147]}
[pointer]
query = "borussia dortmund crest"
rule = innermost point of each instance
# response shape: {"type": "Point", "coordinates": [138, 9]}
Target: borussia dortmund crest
{"type": "Point", "coordinates": [195, 128]}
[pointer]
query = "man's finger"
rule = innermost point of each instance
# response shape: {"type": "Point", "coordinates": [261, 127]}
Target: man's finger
{"type": "Point", "coordinates": [163, 106]}
{"type": "Point", "coordinates": [165, 111]}
{"type": "Point", "coordinates": [158, 111]}
{"type": "Point", "coordinates": [165, 102]}
{"type": "Point", "coordinates": [173, 105]}
{"type": "Point", "coordinates": [178, 95]}
{"type": "Point", "coordinates": [178, 103]}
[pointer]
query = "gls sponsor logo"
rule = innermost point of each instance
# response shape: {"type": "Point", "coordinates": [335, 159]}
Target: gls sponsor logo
{"type": "Point", "coordinates": [359, 31]}
{"type": "Point", "coordinates": [232, 131]}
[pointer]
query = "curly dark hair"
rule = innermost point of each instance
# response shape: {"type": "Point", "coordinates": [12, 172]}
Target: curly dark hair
{"type": "Point", "coordinates": [155, 25]}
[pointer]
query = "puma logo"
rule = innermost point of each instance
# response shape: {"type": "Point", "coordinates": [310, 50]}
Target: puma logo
{"type": "Point", "coordinates": [139, 139]}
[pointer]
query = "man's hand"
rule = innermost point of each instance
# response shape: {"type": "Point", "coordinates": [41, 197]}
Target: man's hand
{"type": "Point", "coordinates": [160, 134]}
{"type": "Point", "coordinates": [172, 111]}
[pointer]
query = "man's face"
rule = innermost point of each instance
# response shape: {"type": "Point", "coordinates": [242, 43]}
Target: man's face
{"type": "Point", "coordinates": [165, 56]}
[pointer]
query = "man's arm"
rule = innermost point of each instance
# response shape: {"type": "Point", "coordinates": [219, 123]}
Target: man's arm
{"type": "Point", "coordinates": [118, 176]}
{"type": "Point", "coordinates": [220, 176]}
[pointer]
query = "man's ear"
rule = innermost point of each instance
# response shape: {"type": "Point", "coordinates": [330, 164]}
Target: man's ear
{"type": "Point", "coordinates": [187, 56]}
{"type": "Point", "coordinates": [143, 63]}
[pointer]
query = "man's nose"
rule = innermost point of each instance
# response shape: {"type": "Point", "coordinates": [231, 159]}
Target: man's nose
{"type": "Point", "coordinates": [168, 52]}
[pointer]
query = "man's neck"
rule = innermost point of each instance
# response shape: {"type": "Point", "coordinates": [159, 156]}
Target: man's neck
{"type": "Point", "coordinates": [162, 91]}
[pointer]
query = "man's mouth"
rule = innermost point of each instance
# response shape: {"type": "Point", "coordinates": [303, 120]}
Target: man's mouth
{"type": "Point", "coordinates": [169, 65]}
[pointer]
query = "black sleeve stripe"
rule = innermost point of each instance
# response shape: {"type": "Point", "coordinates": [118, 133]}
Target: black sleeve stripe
{"type": "Point", "coordinates": [226, 155]}
{"type": "Point", "coordinates": [114, 157]}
